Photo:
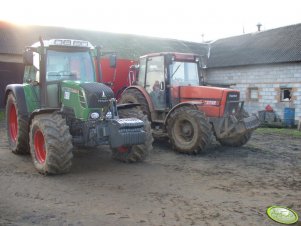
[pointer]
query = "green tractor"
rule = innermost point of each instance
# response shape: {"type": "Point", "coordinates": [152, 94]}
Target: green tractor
{"type": "Point", "coordinates": [62, 104]}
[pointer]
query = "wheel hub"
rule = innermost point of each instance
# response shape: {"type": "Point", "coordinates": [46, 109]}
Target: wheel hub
{"type": "Point", "coordinates": [187, 129]}
{"type": "Point", "coordinates": [13, 123]}
{"type": "Point", "coordinates": [39, 146]}
{"type": "Point", "coordinates": [184, 130]}
{"type": "Point", "coordinates": [123, 149]}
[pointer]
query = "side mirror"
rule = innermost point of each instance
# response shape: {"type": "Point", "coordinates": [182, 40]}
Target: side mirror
{"type": "Point", "coordinates": [28, 58]}
{"type": "Point", "coordinates": [134, 67]}
{"type": "Point", "coordinates": [162, 85]}
{"type": "Point", "coordinates": [169, 59]}
{"type": "Point", "coordinates": [204, 61]}
{"type": "Point", "coordinates": [113, 61]}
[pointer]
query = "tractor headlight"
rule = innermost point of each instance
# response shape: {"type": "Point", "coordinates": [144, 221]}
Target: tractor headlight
{"type": "Point", "coordinates": [94, 115]}
{"type": "Point", "coordinates": [109, 115]}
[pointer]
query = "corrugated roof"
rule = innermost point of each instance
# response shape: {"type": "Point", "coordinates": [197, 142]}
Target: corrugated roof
{"type": "Point", "coordinates": [280, 45]}
{"type": "Point", "coordinates": [13, 40]}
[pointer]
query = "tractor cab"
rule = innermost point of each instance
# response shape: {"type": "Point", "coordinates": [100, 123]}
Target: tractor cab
{"type": "Point", "coordinates": [52, 62]}
{"type": "Point", "coordinates": [161, 74]}
{"type": "Point", "coordinates": [63, 59]}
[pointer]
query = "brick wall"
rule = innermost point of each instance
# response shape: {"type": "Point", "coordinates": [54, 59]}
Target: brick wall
{"type": "Point", "coordinates": [269, 80]}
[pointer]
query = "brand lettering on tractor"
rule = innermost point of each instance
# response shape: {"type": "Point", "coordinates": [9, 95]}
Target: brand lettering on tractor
{"type": "Point", "coordinates": [233, 95]}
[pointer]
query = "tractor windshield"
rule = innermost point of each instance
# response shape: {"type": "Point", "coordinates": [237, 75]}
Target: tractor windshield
{"type": "Point", "coordinates": [184, 74]}
{"type": "Point", "coordinates": [69, 66]}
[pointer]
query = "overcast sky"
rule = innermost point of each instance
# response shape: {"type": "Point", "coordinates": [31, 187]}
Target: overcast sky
{"type": "Point", "coordinates": [192, 20]}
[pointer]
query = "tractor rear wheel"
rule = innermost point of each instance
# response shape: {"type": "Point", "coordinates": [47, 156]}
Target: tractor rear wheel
{"type": "Point", "coordinates": [135, 153]}
{"type": "Point", "coordinates": [134, 96]}
{"type": "Point", "coordinates": [189, 130]}
{"type": "Point", "coordinates": [50, 144]}
{"type": "Point", "coordinates": [17, 127]}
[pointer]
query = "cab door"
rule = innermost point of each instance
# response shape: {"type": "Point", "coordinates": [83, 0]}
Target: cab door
{"type": "Point", "coordinates": [155, 81]}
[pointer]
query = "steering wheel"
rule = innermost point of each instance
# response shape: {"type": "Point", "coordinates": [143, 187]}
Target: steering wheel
{"type": "Point", "coordinates": [64, 73]}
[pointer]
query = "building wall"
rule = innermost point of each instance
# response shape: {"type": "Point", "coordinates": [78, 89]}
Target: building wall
{"type": "Point", "coordinates": [270, 81]}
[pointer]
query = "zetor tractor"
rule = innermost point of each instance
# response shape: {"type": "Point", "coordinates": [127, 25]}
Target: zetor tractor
{"type": "Point", "coordinates": [60, 105]}
{"type": "Point", "coordinates": [169, 91]}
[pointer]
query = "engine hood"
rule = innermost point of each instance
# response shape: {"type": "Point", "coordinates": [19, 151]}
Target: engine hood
{"type": "Point", "coordinates": [97, 95]}
{"type": "Point", "coordinates": [204, 92]}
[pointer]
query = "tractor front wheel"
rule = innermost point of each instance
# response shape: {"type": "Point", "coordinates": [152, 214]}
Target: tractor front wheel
{"type": "Point", "coordinates": [134, 153]}
{"type": "Point", "coordinates": [50, 144]}
{"type": "Point", "coordinates": [189, 130]}
{"type": "Point", "coordinates": [240, 139]}
{"type": "Point", "coordinates": [17, 126]}
{"type": "Point", "coordinates": [237, 141]}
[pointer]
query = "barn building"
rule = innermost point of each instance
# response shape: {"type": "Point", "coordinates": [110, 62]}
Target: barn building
{"type": "Point", "coordinates": [265, 66]}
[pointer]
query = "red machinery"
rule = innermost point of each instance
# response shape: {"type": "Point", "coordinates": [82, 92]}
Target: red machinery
{"type": "Point", "coordinates": [117, 78]}
{"type": "Point", "coordinates": [169, 88]}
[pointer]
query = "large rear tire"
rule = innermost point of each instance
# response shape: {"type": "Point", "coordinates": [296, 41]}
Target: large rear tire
{"type": "Point", "coordinates": [135, 153]}
{"type": "Point", "coordinates": [134, 96]}
{"type": "Point", "coordinates": [17, 127]}
{"type": "Point", "coordinates": [189, 130]}
{"type": "Point", "coordinates": [50, 144]}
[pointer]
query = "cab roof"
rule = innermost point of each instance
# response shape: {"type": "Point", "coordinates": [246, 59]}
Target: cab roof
{"type": "Point", "coordinates": [64, 43]}
{"type": "Point", "coordinates": [176, 55]}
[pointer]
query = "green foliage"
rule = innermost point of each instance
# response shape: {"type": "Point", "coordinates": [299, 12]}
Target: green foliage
{"type": "Point", "coordinates": [280, 131]}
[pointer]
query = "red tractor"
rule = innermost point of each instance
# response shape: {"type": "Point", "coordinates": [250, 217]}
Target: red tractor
{"type": "Point", "coordinates": [168, 87]}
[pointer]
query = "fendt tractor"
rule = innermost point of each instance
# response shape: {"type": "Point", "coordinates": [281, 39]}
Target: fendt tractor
{"type": "Point", "coordinates": [61, 105]}
{"type": "Point", "coordinates": [170, 90]}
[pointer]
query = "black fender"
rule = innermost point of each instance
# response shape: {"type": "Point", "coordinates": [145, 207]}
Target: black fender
{"type": "Point", "coordinates": [18, 91]}
{"type": "Point", "coordinates": [126, 106]}
{"type": "Point", "coordinates": [183, 104]}
{"type": "Point", "coordinates": [39, 112]}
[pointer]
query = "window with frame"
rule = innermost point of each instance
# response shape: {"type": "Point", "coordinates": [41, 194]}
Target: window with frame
{"type": "Point", "coordinates": [253, 93]}
{"type": "Point", "coordinates": [285, 94]}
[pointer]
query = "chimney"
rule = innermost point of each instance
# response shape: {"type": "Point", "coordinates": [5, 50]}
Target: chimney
{"type": "Point", "coordinates": [259, 27]}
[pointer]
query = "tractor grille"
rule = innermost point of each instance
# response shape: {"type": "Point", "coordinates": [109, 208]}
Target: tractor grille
{"type": "Point", "coordinates": [232, 96]}
{"type": "Point", "coordinates": [232, 104]}
{"type": "Point", "coordinates": [98, 95]}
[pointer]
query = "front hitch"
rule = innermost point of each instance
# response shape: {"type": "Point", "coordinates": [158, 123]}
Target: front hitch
{"type": "Point", "coordinates": [231, 126]}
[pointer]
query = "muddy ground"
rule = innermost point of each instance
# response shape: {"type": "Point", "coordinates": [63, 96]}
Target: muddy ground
{"type": "Point", "coordinates": [222, 186]}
